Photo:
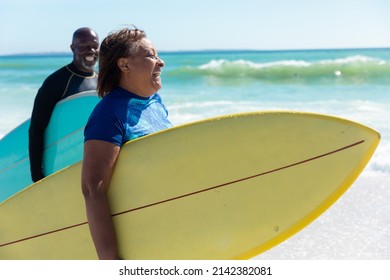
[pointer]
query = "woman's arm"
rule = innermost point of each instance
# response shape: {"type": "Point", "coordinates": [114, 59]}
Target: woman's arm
{"type": "Point", "coordinates": [98, 165]}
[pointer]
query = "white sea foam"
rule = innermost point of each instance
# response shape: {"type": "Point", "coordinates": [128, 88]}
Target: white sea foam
{"type": "Point", "coordinates": [353, 59]}
{"type": "Point", "coordinates": [220, 63]}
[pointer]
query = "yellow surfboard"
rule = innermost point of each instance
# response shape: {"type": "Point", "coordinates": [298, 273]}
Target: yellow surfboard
{"type": "Point", "coordinates": [230, 187]}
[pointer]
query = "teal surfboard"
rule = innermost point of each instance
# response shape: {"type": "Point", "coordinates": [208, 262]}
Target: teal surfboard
{"type": "Point", "coordinates": [63, 143]}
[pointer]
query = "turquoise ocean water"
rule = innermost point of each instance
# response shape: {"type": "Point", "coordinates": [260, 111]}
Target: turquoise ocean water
{"type": "Point", "coordinates": [353, 84]}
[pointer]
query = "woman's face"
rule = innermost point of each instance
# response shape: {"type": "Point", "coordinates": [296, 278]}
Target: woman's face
{"type": "Point", "coordinates": [142, 76]}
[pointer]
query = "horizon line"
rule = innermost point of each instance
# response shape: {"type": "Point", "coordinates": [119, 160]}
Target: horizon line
{"type": "Point", "coordinates": [59, 53]}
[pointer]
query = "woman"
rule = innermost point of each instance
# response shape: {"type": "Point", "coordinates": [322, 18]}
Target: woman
{"type": "Point", "coordinates": [129, 77]}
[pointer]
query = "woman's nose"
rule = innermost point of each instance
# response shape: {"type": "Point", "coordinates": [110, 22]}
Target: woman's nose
{"type": "Point", "coordinates": [161, 62]}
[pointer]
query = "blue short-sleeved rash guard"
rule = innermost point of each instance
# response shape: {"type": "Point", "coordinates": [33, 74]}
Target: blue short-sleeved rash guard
{"type": "Point", "coordinates": [122, 116]}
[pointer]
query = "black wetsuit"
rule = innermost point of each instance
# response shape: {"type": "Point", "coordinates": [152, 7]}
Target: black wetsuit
{"type": "Point", "coordinates": [64, 82]}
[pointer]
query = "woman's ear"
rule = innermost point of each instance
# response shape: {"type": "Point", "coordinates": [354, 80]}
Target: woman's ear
{"type": "Point", "coordinates": [123, 64]}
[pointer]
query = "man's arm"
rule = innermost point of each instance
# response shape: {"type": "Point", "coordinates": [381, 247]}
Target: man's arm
{"type": "Point", "coordinates": [47, 97]}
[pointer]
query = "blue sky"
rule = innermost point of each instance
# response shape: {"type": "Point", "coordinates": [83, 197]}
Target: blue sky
{"type": "Point", "coordinates": [47, 25]}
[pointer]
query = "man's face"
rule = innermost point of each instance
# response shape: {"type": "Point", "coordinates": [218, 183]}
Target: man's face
{"type": "Point", "coordinates": [85, 51]}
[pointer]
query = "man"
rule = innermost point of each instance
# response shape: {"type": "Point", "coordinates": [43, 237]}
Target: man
{"type": "Point", "coordinates": [76, 77]}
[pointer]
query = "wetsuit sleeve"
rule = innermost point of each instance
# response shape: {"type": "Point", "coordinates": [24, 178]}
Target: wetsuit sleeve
{"type": "Point", "coordinates": [47, 97]}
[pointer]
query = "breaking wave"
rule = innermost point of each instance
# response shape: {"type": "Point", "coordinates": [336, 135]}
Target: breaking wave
{"type": "Point", "coordinates": [349, 70]}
